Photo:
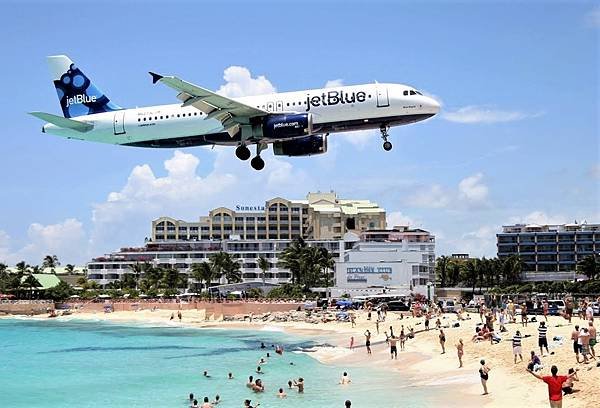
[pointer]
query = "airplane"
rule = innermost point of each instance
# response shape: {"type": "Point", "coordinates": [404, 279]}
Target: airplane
{"type": "Point", "coordinates": [295, 123]}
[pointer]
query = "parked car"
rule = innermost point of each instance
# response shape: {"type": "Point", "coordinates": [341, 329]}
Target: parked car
{"type": "Point", "coordinates": [398, 306]}
{"type": "Point", "coordinates": [596, 308]}
{"type": "Point", "coordinates": [449, 306]}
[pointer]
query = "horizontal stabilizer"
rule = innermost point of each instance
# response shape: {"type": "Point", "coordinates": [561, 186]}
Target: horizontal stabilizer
{"type": "Point", "coordinates": [63, 122]}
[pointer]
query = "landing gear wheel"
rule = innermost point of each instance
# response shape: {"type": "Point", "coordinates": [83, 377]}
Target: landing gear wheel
{"type": "Point", "coordinates": [387, 146]}
{"type": "Point", "coordinates": [257, 163]}
{"type": "Point", "coordinates": [242, 152]}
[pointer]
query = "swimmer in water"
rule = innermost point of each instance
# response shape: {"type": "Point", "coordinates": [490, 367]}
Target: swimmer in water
{"type": "Point", "coordinates": [300, 384]}
{"type": "Point", "coordinates": [281, 394]}
{"type": "Point", "coordinates": [206, 374]}
{"type": "Point", "coordinates": [345, 379]}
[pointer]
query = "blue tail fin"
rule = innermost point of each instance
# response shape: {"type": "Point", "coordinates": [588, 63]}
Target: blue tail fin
{"type": "Point", "coordinates": [77, 94]}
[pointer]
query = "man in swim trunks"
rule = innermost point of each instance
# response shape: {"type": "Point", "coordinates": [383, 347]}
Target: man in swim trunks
{"type": "Point", "coordinates": [368, 341]}
{"type": "Point", "coordinates": [393, 349]}
{"type": "Point", "coordinates": [593, 341]}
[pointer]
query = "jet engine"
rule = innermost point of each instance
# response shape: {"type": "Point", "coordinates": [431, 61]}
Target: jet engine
{"type": "Point", "coordinates": [284, 126]}
{"type": "Point", "coordinates": [304, 146]}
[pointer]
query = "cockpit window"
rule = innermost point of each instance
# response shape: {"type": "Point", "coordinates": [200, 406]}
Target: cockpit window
{"type": "Point", "coordinates": [412, 92]}
{"type": "Point", "coordinates": [419, 93]}
{"type": "Point", "coordinates": [405, 93]}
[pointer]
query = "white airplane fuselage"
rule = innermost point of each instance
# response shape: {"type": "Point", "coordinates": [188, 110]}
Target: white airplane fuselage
{"type": "Point", "coordinates": [338, 109]}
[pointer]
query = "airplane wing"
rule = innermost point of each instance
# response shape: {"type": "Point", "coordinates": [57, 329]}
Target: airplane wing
{"type": "Point", "coordinates": [229, 111]}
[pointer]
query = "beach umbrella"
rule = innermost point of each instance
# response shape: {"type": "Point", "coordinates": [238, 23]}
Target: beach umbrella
{"type": "Point", "coordinates": [344, 303]}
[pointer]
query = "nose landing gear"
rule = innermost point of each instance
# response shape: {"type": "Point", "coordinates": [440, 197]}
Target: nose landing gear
{"type": "Point", "coordinates": [387, 146]}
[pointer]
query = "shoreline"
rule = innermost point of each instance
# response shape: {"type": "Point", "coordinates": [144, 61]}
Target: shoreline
{"type": "Point", "coordinates": [421, 364]}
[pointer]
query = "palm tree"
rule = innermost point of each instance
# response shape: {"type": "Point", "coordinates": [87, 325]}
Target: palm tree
{"type": "Point", "coordinates": [226, 266]}
{"type": "Point", "coordinates": [50, 261]}
{"type": "Point", "coordinates": [290, 259]}
{"type": "Point", "coordinates": [203, 272]}
{"type": "Point", "coordinates": [29, 283]}
{"type": "Point", "coordinates": [441, 269]}
{"type": "Point", "coordinates": [471, 272]}
{"type": "Point", "coordinates": [454, 271]}
{"type": "Point", "coordinates": [70, 268]}
{"type": "Point", "coordinates": [264, 266]}
{"type": "Point", "coordinates": [172, 279]}
{"type": "Point", "coordinates": [512, 268]}
{"type": "Point", "coordinates": [22, 268]}
{"type": "Point", "coordinates": [589, 266]}
{"type": "Point", "coordinates": [137, 270]}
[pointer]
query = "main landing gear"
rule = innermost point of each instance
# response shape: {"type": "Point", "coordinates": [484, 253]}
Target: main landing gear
{"type": "Point", "coordinates": [242, 152]}
{"type": "Point", "coordinates": [258, 163]}
{"type": "Point", "coordinates": [387, 146]}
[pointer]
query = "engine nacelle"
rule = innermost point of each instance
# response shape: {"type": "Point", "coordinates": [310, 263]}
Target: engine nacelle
{"type": "Point", "coordinates": [285, 126]}
{"type": "Point", "coordinates": [304, 146]}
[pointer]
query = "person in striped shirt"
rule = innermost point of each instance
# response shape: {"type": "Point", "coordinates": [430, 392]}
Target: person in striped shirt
{"type": "Point", "coordinates": [516, 342]}
{"type": "Point", "coordinates": [542, 339]}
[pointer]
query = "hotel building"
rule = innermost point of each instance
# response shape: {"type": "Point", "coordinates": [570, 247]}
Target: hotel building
{"type": "Point", "coordinates": [320, 216]}
{"type": "Point", "coordinates": [549, 251]}
{"type": "Point", "coordinates": [247, 233]}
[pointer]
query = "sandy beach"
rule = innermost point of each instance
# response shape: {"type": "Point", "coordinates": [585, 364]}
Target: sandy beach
{"type": "Point", "coordinates": [422, 361]}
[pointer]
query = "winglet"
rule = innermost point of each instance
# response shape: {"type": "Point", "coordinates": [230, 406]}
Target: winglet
{"type": "Point", "coordinates": [155, 77]}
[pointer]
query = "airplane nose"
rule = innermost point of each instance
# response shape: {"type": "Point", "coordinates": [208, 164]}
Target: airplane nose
{"type": "Point", "coordinates": [434, 105]}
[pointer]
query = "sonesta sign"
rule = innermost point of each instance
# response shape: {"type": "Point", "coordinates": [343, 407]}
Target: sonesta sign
{"type": "Point", "coordinates": [240, 207]}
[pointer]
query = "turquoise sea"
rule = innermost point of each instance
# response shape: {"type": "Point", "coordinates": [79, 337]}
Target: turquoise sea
{"type": "Point", "coordinates": [95, 364]}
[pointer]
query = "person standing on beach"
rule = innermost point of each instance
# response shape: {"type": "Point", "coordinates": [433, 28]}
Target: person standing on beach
{"type": "Point", "coordinates": [377, 326]}
{"type": "Point", "coordinates": [442, 338]}
{"type": "Point", "coordinates": [427, 322]}
{"type": "Point", "coordinates": [179, 316]}
{"type": "Point", "coordinates": [460, 351]}
{"type": "Point", "coordinates": [576, 344]}
{"type": "Point", "coordinates": [555, 383]}
{"type": "Point", "coordinates": [593, 340]}
{"type": "Point", "coordinates": [511, 310]}
{"type": "Point", "coordinates": [545, 309]}
{"type": "Point", "coordinates": [484, 375]}
{"type": "Point", "coordinates": [543, 340]}
{"type": "Point", "coordinates": [393, 348]}
{"type": "Point", "coordinates": [368, 341]}
{"type": "Point", "coordinates": [524, 315]}
{"type": "Point", "coordinates": [516, 343]}
{"type": "Point", "coordinates": [351, 342]}
{"type": "Point", "coordinates": [568, 308]}
{"type": "Point", "coordinates": [402, 338]}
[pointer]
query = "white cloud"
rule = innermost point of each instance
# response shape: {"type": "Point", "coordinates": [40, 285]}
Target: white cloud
{"type": "Point", "coordinates": [478, 243]}
{"type": "Point", "coordinates": [359, 139]}
{"type": "Point", "coordinates": [397, 218]}
{"type": "Point", "coordinates": [333, 83]}
{"type": "Point", "coordinates": [592, 18]}
{"type": "Point", "coordinates": [478, 114]}
{"type": "Point", "coordinates": [472, 190]}
{"type": "Point", "coordinates": [63, 239]}
{"type": "Point", "coordinates": [433, 196]}
{"type": "Point", "coordinates": [540, 218]}
{"type": "Point", "coordinates": [239, 82]}
{"type": "Point", "coordinates": [183, 193]}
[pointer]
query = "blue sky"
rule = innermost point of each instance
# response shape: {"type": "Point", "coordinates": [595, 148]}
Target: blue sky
{"type": "Point", "coordinates": [517, 140]}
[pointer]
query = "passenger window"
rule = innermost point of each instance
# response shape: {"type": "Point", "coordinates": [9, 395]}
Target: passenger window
{"type": "Point", "coordinates": [167, 117]}
{"type": "Point", "coordinates": [161, 117]}
{"type": "Point", "coordinates": [139, 119]}
{"type": "Point", "coordinates": [144, 119]}
{"type": "Point", "coordinates": [405, 93]}
{"type": "Point", "coordinates": [178, 115]}
{"type": "Point", "coordinates": [195, 113]}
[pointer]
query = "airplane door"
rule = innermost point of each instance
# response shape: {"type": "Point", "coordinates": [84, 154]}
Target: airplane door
{"type": "Point", "coordinates": [382, 97]}
{"type": "Point", "coordinates": [119, 122]}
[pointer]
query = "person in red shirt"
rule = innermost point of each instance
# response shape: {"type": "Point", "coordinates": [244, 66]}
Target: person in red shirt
{"type": "Point", "coordinates": [555, 383]}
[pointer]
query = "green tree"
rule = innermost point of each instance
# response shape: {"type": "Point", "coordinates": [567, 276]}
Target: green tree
{"type": "Point", "coordinates": [226, 266]}
{"type": "Point", "coordinates": [30, 283]}
{"type": "Point", "coordinates": [512, 269]}
{"type": "Point", "coordinates": [60, 292]}
{"type": "Point", "coordinates": [70, 269]}
{"type": "Point", "coordinates": [264, 266]}
{"type": "Point", "coordinates": [315, 266]}
{"type": "Point", "coordinates": [589, 266]}
{"type": "Point", "coordinates": [290, 259]}
{"type": "Point", "coordinates": [455, 267]}
{"type": "Point", "coordinates": [203, 272]}
{"type": "Point", "coordinates": [470, 273]}
{"type": "Point", "coordinates": [442, 265]}
{"type": "Point", "coordinates": [51, 262]}
{"type": "Point", "coordinates": [22, 268]}
{"type": "Point", "coordinates": [172, 279]}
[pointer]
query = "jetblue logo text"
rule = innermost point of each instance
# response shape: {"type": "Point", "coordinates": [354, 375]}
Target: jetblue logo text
{"type": "Point", "coordinates": [334, 97]}
{"type": "Point", "coordinates": [80, 99]}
